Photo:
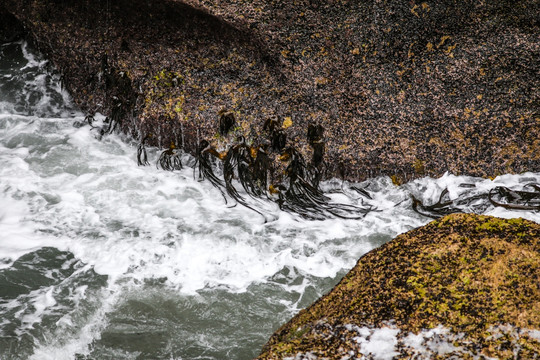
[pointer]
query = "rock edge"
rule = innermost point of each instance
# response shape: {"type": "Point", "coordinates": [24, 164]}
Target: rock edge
{"type": "Point", "coordinates": [476, 276]}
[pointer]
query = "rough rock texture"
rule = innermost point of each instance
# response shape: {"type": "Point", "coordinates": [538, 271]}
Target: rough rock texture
{"type": "Point", "coordinates": [403, 88]}
{"type": "Point", "coordinates": [474, 275]}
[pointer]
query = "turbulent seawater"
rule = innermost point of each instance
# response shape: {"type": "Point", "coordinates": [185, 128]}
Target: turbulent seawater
{"type": "Point", "coordinates": [102, 259]}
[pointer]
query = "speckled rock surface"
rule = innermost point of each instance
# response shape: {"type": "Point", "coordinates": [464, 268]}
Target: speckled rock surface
{"type": "Point", "coordinates": [401, 88]}
{"type": "Point", "coordinates": [477, 277]}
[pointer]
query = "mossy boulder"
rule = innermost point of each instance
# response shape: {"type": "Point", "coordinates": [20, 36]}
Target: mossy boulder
{"type": "Point", "coordinates": [467, 281]}
{"type": "Point", "coordinates": [418, 87]}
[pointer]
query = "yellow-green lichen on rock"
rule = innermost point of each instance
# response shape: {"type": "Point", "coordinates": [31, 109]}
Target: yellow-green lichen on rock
{"type": "Point", "coordinates": [472, 280]}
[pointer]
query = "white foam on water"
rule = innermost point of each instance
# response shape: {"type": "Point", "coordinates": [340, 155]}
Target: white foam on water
{"type": "Point", "coordinates": [61, 187]}
{"type": "Point", "coordinates": [429, 190]}
{"type": "Point", "coordinates": [68, 337]}
{"type": "Point", "coordinates": [378, 343]}
{"type": "Point", "coordinates": [33, 60]}
{"type": "Point", "coordinates": [41, 302]}
{"type": "Point", "coordinates": [33, 89]}
{"type": "Point", "coordinates": [136, 223]}
{"type": "Point", "coordinates": [16, 239]}
{"type": "Point", "coordinates": [535, 334]}
{"type": "Point", "coordinates": [387, 341]}
{"type": "Point", "coordinates": [434, 341]}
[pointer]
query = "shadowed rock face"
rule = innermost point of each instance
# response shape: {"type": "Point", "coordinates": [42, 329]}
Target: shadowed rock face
{"type": "Point", "coordinates": [474, 276]}
{"type": "Point", "coordinates": [400, 88]}
{"type": "Point", "coordinates": [10, 28]}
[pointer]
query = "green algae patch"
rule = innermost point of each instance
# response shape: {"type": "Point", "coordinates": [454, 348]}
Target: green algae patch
{"type": "Point", "coordinates": [471, 274]}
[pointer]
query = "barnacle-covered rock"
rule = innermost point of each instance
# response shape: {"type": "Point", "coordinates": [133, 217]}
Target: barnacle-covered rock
{"type": "Point", "coordinates": [401, 88]}
{"type": "Point", "coordinates": [464, 286]}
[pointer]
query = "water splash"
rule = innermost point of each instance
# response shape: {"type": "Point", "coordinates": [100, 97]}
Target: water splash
{"type": "Point", "coordinates": [150, 263]}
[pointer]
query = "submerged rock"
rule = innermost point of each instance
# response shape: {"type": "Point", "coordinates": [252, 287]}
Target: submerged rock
{"type": "Point", "coordinates": [464, 286]}
{"type": "Point", "coordinates": [404, 89]}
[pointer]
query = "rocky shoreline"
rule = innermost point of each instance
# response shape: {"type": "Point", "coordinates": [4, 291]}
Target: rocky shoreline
{"type": "Point", "coordinates": [464, 286]}
{"type": "Point", "coordinates": [400, 89]}
{"type": "Point", "coordinates": [403, 89]}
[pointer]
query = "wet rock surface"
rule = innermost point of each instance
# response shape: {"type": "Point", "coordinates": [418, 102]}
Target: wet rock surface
{"type": "Point", "coordinates": [465, 286]}
{"type": "Point", "coordinates": [404, 89]}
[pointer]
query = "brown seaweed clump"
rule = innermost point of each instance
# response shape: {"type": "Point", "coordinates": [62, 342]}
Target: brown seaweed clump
{"type": "Point", "coordinates": [475, 276]}
{"type": "Point", "coordinates": [169, 159]}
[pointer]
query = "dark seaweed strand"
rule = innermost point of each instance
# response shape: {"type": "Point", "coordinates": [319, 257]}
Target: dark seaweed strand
{"type": "Point", "coordinates": [419, 208]}
{"type": "Point", "coordinates": [516, 200]}
{"type": "Point", "coordinates": [307, 199]}
{"type": "Point", "coordinates": [116, 115]}
{"type": "Point", "coordinates": [513, 200]}
{"type": "Point", "coordinates": [90, 120]}
{"type": "Point", "coordinates": [260, 170]}
{"type": "Point", "coordinates": [244, 164]}
{"type": "Point", "coordinates": [361, 191]}
{"type": "Point", "coordinates": [226, 122]}
{"type": "Point", "coordinates": [169, 159]}
{"type": "Point", "coordinates": [441, 208]}
{"type": "Point", "coordinates": [235, 156]}
{"type": "Point", "coordinates": [205, 167]}
{"type": "Point", "coordinates": [531, 197]}
{"type": "Point", "coordinates": [142, 156]}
